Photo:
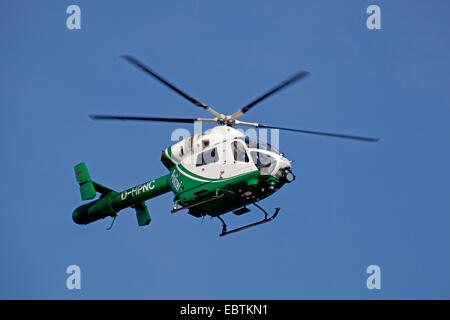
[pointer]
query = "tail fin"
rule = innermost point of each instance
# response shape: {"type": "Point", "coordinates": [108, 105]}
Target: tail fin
{"type": "Point", "coordinates": [88, 188]}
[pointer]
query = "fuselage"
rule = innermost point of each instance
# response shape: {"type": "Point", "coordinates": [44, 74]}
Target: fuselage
{"type": "Point", "coordinates": [223, 158]}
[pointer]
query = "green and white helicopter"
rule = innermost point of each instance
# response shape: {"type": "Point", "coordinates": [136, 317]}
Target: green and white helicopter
{"type": "Point", "coordinates": [211, 173]}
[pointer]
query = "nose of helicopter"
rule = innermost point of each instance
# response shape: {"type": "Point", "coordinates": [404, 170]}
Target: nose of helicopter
{"type": "Point", "coordinates": [285, 172]}
{"type": "Point", "coordinates": [284, 163]}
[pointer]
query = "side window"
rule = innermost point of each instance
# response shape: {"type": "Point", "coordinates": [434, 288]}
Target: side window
{"type": "Point", "coordinates": [209, 156]}
{"type": "Point", "coordinates": [239, 153]}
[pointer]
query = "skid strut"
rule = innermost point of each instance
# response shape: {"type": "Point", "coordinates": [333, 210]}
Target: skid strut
{"type": "Point", "coordinates": [224, 226]}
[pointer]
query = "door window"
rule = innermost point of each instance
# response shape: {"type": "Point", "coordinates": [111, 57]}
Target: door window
{"type": "Point", "coordinates": [239, 153]}
{"type": "Point", "coordinates": [207, 157]}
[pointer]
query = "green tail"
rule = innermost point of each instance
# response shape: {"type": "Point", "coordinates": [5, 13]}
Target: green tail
{"type": "Point", "coordinates": [87, 188]}
{"type": "Point", "coordinates": [111, 201]}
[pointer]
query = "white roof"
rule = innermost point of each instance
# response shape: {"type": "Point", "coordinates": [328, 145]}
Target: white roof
{"type": "Point", "coordinates": [198, 142]}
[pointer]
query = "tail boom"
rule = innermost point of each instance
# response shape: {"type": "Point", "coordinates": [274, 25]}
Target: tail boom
{"type": "Point", "coordinates": [111, 202]}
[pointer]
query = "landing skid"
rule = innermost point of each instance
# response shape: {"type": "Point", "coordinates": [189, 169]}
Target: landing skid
{"type": "Point", "coordinates": [224, 226]}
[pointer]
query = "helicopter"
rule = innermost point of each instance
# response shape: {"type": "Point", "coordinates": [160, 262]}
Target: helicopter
{"type": "Point", "coordinates": [211, 173]}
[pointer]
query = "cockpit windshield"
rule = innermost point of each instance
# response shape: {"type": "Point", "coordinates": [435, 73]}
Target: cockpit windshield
{"type": "Point", "coordinates": [259, 145]}
{"type": "Point", "coordinates": [264, 162]}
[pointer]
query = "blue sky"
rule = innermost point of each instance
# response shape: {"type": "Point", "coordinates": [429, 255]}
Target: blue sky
{"type": "Point", "coordinates": [352, 205]}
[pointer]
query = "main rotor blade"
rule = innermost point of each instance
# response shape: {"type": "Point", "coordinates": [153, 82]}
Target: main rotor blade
{"type": "Point", "coordinates": [106, 117]}
{"type": "Point", "coordinates": [167, 83]}
{"type": "Point", "coordinates": [328, 134]}
{"type": "Point", "coordinates": [299, 75]}
{"type": "Point", "coordinates": [335, 135]}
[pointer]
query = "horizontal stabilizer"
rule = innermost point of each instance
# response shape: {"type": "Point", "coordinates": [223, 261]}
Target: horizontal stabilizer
{"type": "Point", "coordinates": [142, 215]}
{"type": "Point", "coordinates": [102, 189]}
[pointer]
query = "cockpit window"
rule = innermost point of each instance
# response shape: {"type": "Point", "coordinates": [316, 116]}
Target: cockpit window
{"type": "Point", "coordinates": [264, 162]}
{"type": "Point", "coordinates": [209, 156]}
{"type": "Point", "coordinates": [254, 144]}
{"type": "Point", "coordinates": [239, 152]}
